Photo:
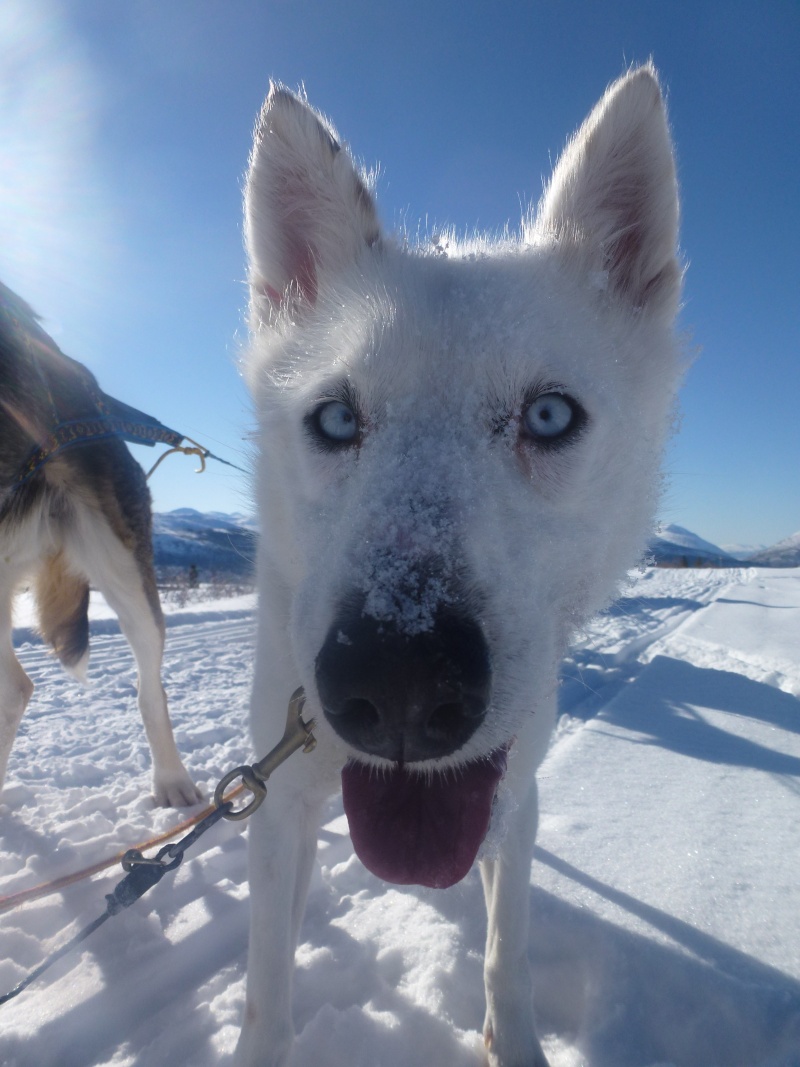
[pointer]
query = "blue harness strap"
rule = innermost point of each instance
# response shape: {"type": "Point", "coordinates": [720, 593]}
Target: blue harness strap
{"type": "Point", "coordinates": [137, 428]}
{"type": "Point", "coordinates": [100, 416]}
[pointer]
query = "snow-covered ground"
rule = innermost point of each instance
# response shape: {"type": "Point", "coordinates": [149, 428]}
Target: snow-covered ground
{"type": "Point", "coordinates": [665, 896]}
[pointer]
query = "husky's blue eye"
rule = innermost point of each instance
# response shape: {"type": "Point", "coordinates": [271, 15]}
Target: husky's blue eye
{"type": "Point", "coordinates": [335, 422]}
{"type": "Point", "coordinates": [551, 416]}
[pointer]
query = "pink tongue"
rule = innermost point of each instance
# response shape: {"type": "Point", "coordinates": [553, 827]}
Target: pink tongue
{"type": "Point", "coordinates": [416, 831]}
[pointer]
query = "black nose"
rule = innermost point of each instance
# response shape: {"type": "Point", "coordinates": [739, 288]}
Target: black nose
{"type": "Point", "coordinates": [404, 697]}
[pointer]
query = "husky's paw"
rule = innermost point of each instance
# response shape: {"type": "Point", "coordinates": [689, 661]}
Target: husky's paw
{"type": "Point", "coordinates": [175, 790]}
{"type": "Point", "coordinates": [522, 1050]}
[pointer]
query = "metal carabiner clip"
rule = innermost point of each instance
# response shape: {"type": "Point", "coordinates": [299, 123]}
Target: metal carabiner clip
{"type": "Point", "coordinates": [298, 734]}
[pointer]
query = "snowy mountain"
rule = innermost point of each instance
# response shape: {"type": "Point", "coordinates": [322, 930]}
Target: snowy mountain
{"type": "Point", "coordinates": [673, 546]}
{"type": "Point", "coordinates": [219, 544]}
{"type": "Point", "coordinates": [225, 544]}
{"type": "Point", "coordinates": [785, 554]}
{"type": "Point", "coordinates": [213, 542]}
{"type": "Point", "coordinates": [740, 551]}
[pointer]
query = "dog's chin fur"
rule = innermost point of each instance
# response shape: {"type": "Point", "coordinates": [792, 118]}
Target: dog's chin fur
{"type": "Point", "coordinates": [443, 503]}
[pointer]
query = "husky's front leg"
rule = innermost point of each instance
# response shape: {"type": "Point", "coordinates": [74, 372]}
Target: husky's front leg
{"type": "Point", "coordinates": [282, 848]}
{"type": "Point", "coordinates": [508, 1028]}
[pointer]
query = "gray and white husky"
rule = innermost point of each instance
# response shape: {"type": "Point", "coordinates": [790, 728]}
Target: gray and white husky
{"type": "Point", "coordinates": [77, 515]}
{"type": "Point", "coordinates": [459, 454]}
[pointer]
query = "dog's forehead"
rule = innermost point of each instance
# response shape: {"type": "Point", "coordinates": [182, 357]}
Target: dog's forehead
{"type": "Point", "coordinates": [487, 321]}
{"type": "Point", "coordinates": [450, 331]}
{"type": "Point", "coordinates": [469, 298]}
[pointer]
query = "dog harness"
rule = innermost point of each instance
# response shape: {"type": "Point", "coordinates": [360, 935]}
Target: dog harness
{"type": "Point", "coordinates": [104, 416]}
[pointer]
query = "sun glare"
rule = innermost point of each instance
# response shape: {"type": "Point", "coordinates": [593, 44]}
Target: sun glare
{"type": "Point", "coordinates": [52, 212]}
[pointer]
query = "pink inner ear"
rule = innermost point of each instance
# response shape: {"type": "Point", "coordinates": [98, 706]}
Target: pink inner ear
{"type": "Point", "coordinates": [301, 272]}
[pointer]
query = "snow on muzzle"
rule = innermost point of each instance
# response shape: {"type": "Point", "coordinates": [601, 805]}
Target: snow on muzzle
{"type": "Point", "coordinates": [411, 698]}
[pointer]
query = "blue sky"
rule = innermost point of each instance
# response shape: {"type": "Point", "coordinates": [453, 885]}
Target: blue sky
{"type": "Point", "coordinates": [126, 127]}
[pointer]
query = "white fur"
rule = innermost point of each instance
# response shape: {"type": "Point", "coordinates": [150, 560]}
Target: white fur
{"type": "Point", "coordinates": [441, 345]}
{"type": "Point", "coordinates": [92, 549]}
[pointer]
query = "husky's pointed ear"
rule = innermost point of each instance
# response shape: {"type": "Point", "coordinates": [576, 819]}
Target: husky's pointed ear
{"type": "Point", "coordinates": [307, 210]}
{"type": "Point", "coordinates": [614, 194]}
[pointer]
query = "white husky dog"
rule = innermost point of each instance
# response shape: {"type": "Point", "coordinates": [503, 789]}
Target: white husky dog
{"type": "Point", "coordinates": [459, 451]}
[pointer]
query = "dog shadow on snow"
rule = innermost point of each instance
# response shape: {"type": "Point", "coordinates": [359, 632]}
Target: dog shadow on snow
{"type": "Point", "coordinates": [667, 707]}
{"type": "Point", "coordinates": [669, 703]}
{"type": "Point", "coordinates": [630, 1000]}
{"type": "Point", "coordinates": [623, 998]}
